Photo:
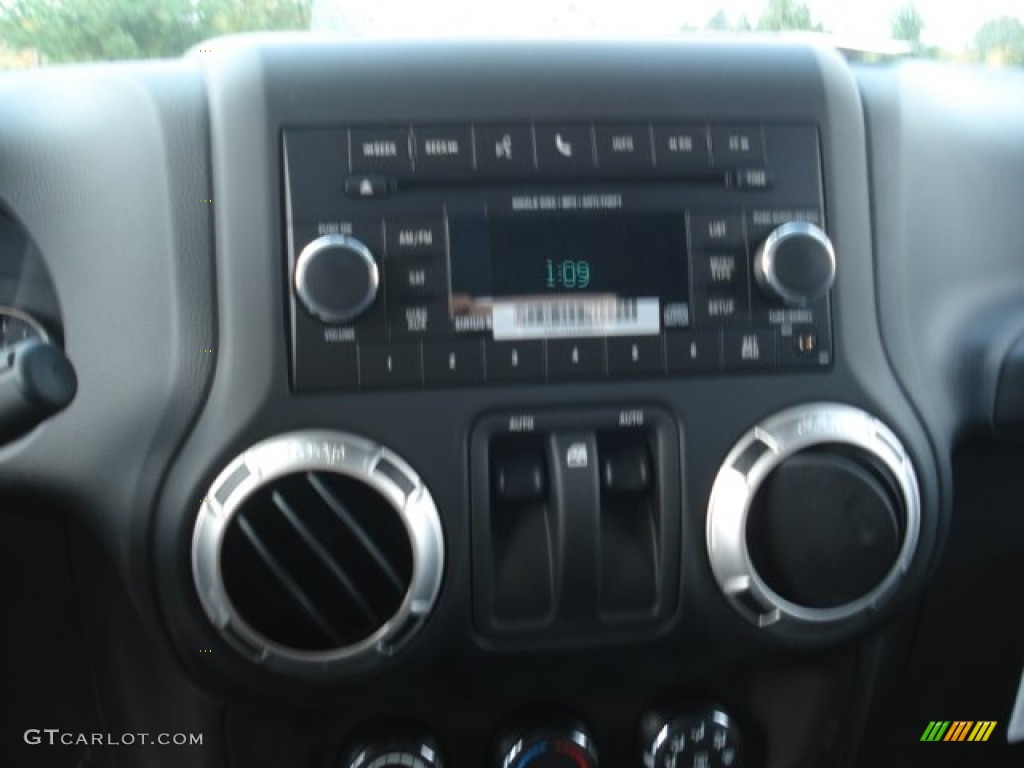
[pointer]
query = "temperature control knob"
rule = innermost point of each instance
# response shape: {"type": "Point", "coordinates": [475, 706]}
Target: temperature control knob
{"type": "Point", "coordinates": [336, 278]}
{"type": "Point", "coordinates": [796, 264]}
{"type": "Point", "coordinates": [398, 753]}
{"type": "Point", "coordinates": [560, 747]}
{"type": "Point", "coordinates": [700, 738]}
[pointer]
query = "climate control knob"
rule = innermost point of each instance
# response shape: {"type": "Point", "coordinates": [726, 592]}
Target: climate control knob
{"type": "Point", "coordinates": [796, 264]}
{"type": "Point", "coordinates": [703, 738]}
{"type": "Point", "coordinates": [396, 753]}
{"type": "Point", "coordinates": [336, 278]}
{"type": "Point", "coordinates": [568, 746]}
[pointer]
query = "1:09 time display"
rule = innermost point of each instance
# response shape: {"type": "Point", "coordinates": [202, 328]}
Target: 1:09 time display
{"type": "Point", "coordinates": [569, 274]}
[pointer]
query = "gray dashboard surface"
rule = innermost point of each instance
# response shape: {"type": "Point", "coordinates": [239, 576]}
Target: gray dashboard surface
{"type": "Point", "coordinates": [947, 192]}
{"type": "Point", "coordinates": [107, 168]}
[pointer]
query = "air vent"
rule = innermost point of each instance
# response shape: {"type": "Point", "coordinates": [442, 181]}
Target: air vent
{"type": "Point", "coordinates": [317, 552]}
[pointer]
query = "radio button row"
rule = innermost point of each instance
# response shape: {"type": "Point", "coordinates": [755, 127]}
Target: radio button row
{"type": "Point", "coordinates": [426, 319]}
{"type": "Point", "coordinates": [721, 307]}
{"type": "Point", "coordinates": [681, 147]}
{"type": "Point", "coordinates": [693, 351]}
{"type": "Point", "coordinates": [749, 349]}
{"type": "Point", "coordinates": [456, 362]}
{"type": "Point", "coordinates": [721, 270]}
{"type": "Point", "coordinates": [717, 230]}
{"type": "Point", "coordinates": [414, 238]}
{"type": "Point", "coordinates": [443, 150]}
{"type": "Point", "coordinates": [380, 151]}
{"type": "Point", "coordinates": [504, 149]}
{"type": "Point", "coordinates": [572, 358]}
{"type": "Point", "coordinates": [566, 147]}
{"type": "Point", "coordinates": [389, 365]}
{"type": "Point", "coordinates": [635, 356]}
{"type": "Point", "coordinates": [624, 147]}
{"type": "Point", "coordinates": [735, 144]}
{"type": "Point", "coordinates": [416, 279]}
{"type": "Point", "coordinates": [513, 361]}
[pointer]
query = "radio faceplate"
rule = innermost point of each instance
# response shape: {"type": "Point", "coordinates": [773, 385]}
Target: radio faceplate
{"type": "Point", "coordinates": [472, 254]}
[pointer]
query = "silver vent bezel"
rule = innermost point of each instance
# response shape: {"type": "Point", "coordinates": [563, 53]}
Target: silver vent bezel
{"type": "Point", "coordinates": [747, 466]}
{"type": "Point", "coordinates": [319, 451]}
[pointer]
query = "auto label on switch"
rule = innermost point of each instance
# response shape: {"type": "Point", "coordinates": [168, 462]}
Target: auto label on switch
{"type": "Point", "coordinates": [576, 457]}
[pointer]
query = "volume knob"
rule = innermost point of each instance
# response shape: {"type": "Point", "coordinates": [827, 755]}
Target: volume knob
{"type": "Point", "coordinates": [796, 264]}
{"type": "Point", "coordinates": [336, 278]}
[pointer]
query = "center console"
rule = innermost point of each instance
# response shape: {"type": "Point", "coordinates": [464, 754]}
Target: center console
{"type": "Point", "coordinates": [551, 423]}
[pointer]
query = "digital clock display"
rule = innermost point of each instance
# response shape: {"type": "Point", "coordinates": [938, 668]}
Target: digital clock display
{"type": "Point", "coordinates": [615, 253]}
{"type": "Point", "coordinates": [566, 274]}
{"type": "Point", "coordinates": [560, 274]}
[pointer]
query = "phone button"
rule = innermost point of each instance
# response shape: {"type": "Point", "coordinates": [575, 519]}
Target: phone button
{"type": "Point", "coordinates": [565, 148]}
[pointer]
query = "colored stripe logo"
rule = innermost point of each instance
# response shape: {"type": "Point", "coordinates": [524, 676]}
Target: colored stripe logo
{"type": "Point", "coordinates": [958, 730]}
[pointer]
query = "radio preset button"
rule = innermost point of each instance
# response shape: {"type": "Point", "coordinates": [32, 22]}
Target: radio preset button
{"type": "Point", "coordinates": [749, 349]}
{"type": "Point", "coordinates": [681, 147]}
{"type": "Point", "coordinates": [389, 365]}
{"type": "Point", "coordinates": [380, 150]}
{"type": "Point", "coordinates": [504, 149]}
{"type": "Point", "coordinates": [416, 278]}
{"type": "Point", "coordinates": [456, 362]}
{"type": "Point", "coordinates": [635, 355]}
{"type": "Point", "coordinates": [565, 148]}
{"type": "Point", "coordinates": [414, 237]}
{"type": "Point", "coordinates": [514, 360]}
{"type": "Point", "coordinates": [694, 351]}
{"type": "Point", "coordinates": [422, 319]}
{"type": "Point", "coordinates": [572, 358]}
{"type": "Point", "coordinates": [443, 150]}
{"type": "Point", "coordinates": [735, 144]}
{"type": "Point", "coordinates": [624, 147]}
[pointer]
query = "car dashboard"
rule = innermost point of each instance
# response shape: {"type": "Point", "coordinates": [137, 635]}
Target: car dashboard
{"type": "Point", "coordinates": [509, 403]}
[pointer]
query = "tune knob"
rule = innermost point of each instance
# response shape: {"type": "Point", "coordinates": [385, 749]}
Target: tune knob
{"type": "Point", "coordinates": [567, 746]}
{"type": "Point", "coordinates": [394, 753]}
{"type": "Point", "coordinates": [336, 278]}
{"type": "Point", "coordinates": [796, 264]}
{"type": "Point", "coordinates": [700, 738]}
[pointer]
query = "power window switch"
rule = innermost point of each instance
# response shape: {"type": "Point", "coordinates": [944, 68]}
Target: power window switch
{"type": "Point", "coordinates": [520, 478]}
{"type": "Point", "coordinates": [626, 468]}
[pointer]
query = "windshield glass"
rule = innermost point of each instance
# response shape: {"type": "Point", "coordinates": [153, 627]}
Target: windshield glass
{"type": "Point", "coordinates": [39, 32]}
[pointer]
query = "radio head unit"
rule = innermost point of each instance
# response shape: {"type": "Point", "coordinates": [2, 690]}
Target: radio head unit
{"type": "Point", "coordinates": [462, 255]}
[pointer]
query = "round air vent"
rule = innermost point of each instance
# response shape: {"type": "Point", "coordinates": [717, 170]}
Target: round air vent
{"type": "Point", "coordinates": [317, 553]}
{"type": "Point", "coordinates": [814, 516]}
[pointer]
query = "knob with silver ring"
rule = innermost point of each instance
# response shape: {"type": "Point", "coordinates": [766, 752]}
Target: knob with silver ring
{"type": "Point", "coordinates": [561, 745]}
{"type": "Point", "coordinates": [796, 264]}
{"type": "Point", "coordinates": [316, 554]}
{"type": "Point", "coordinates": [814, 517]}
{"type": "Point", "coordinates": [336, 278]}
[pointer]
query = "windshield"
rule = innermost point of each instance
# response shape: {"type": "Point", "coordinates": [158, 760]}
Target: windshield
{"type": "Point", "coordinates": [39, 32]}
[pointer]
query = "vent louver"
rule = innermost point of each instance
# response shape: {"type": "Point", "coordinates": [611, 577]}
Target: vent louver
{"type": "Point", "coordinates": [317, 552]}
{"type": "Point", "coordinates": [316, 561]}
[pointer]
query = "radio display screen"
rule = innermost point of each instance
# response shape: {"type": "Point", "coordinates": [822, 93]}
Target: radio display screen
{"type": "Point", "coordinates": [569, 274]}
